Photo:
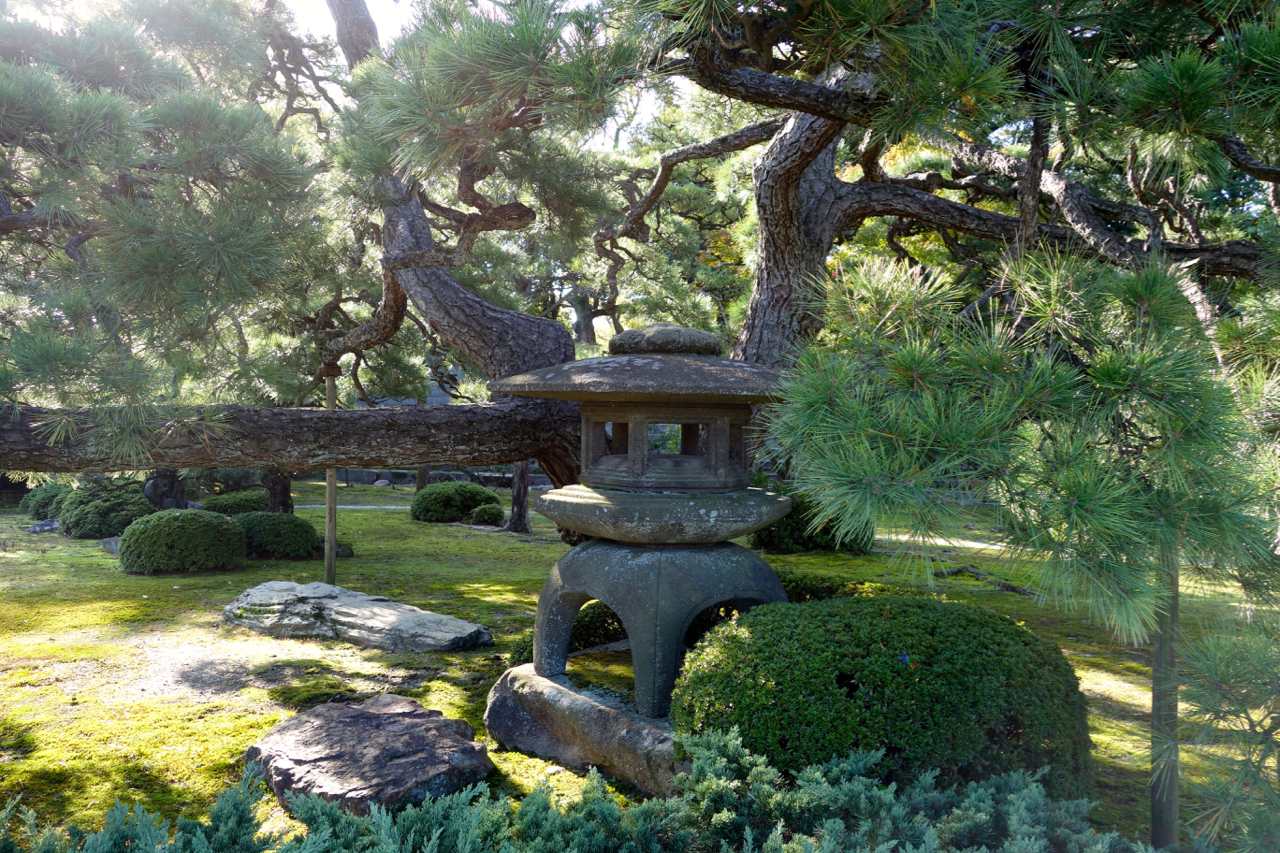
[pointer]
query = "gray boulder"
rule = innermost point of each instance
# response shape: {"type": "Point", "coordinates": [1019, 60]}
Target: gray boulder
{"type": "Point", "coordinates": [49, 526]}
{"type": "Point", "coordinates": [382, 482]}
{"type": "Point", "coordinates": [111, 545]}
{"type": "Point", "coordinates": [389, 750]}
{"type": "Point", "coordinates": [324, 611]}
{"type": "Point", "coordinates": [551, 718]}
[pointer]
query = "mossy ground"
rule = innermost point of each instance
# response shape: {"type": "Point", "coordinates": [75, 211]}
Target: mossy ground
{"type": "Point", "coordinates": [115, 686]}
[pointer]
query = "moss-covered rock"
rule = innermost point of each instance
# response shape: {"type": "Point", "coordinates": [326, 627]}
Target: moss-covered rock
{"type": "Point", "coordinates": [181, 540]}
{"type": "Point", "coordinates": [277, 534]}
{"type": "Point", "coordinates": [934, 684]}
{"type": "Point", "coordinates": [234, 503]}
{"type": "Point", "coordinates": [452, 501]}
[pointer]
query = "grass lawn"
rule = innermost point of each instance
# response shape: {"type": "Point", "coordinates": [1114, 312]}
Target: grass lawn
{"type": "Point", "coordinates": [114, 686]}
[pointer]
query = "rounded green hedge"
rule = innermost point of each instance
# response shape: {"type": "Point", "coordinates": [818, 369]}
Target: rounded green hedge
{"type": "Point", "coordinates": [181, 540]}
{"type": "Point", "coordinates": [791, 535]}
{"type": "Point", "coordinates": [934, 684]}
{"type": "Point", "coordinates": [277, 534]}
{"type": "Point", "coordinates": [492, 515]}
{"type": "Point", "coordinates": [38, 502]}
{"type": "Point", "coordinates": [100, 510]}
{"type": "Point", "coordinates": [234, 503]}
{"type": "Point", "coordinates": [451, 501]}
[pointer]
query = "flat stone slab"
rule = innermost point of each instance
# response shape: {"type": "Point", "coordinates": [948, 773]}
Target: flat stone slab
{"type": "Point", "coordinates": [324, 611]}
{"type": "Point", "coordinates": [663, 518]}
{"type": "Point", "coordinates": [551, 718]}
{"type": "Point", "coordinates": [389, 750]}
{"type": "Point", "coordinates": [48, 526]}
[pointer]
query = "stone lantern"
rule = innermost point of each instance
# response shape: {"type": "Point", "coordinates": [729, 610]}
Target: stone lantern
{"type": "Point", "coordinates": [663, 488]}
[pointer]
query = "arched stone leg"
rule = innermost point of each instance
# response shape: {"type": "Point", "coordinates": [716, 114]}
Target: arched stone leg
{"type": "Point", "coordinates": [656, 593]}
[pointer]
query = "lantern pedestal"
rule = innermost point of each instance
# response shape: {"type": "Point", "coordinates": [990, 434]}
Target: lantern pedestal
{"type": "Point", "coordinates": [656, 592]}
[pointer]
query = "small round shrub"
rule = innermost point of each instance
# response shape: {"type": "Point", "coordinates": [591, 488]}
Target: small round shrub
{"type": "Point", "coordinates": [99, 510]}
{"type": "Point", "coordinates": [181, 540]}
{"type": "Point", "coordinates": [234, 503]}
{"type": "Point", "coordinates": [277, 534]}
{"type": "Point", "coordinates": [492, 515]}
{"type": "Point", "coordinates": [446, 502]}
{"type": "Point", "coordinates": [37, 502]}
{"type": "Point", "coordinates": [791, 535]}
{"type": "Point", "coordinates": [934, 684]}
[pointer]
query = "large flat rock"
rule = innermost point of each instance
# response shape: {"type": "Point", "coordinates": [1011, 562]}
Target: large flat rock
{"type": "Point", "coordinates": [324, 611]}
{"type": "Point", "coordinates": [389, 750]}
{"type": "Point", "coordinates": [551, 718]}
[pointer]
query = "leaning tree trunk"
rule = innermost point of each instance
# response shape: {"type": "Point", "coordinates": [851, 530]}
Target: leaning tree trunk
{"type": "Point", "coordinates": [519, 521]}
{"type": "Point", "coordinates": [279, 486]}
{"type": "Point", "coordinates": [165, 489]}
{"type": "Point", "coordinates": [795, 188]}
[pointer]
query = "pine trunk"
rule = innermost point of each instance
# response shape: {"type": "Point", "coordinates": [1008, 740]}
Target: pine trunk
{"type": "Point", "coordinates": [279, 486]}
{"type": "Point", "coordinates": [519, 521]}
{"type": "Point", "coordinates": [795, 188]}
{"type": "Point", "coordinates": [1164, 712]}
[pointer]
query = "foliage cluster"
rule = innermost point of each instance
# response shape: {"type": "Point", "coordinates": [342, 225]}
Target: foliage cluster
{"type": "Point", "coordinates": [731, 801]}
{"type": "Point", "coordinates": [450, 501]}
{"type": "Point", "coordinates": [801, 530]}
{"type": "Point", "coordinates": [277, 534]}
{"type": "Point", "coordinates": [99, 510]}
{"type": "Point", "coordinates": [38, 502]}
{"type": "Point", "coordinates": [1232, 695]}
{"type": "Point", "coordinates": [594, 625]}
{"type": "Point", "coordinates": [235, 503]}
{"type": "Point", "coordinates": [219, 481]}
{"type": "Point", "coordinates": [807, 586]}
{"type": "Point", "coordinates": [934, 684]}
{"type": "Point", "coordinates": [181, 540]}
{"type": "Point", "coordinates": [491, 515]}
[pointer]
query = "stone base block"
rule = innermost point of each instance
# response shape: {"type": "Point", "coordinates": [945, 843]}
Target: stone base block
{"type": "Point", "coordinates": [550, 718]}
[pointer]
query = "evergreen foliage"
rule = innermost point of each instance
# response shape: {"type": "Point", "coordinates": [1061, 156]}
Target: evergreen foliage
{"type": "Point", "coordinates": [800, 531]}
{"type": "Point", "coordinates": [450, 501]}
{"type": "Point", "coordinates": [38, 502]}
{"type": "Point", "coordinates": [731, 801]}
{"type": "Point", "coordinates": [277, 534]}
{"type": "Point", "coordinates": [99, 510]}
{"type": "Point", "coordinates": [235, 503]}
{"type": "Point", "coordinates": [934, 684]}
{"type": "Point", "coordinates": [491, 515]}
{"type": "Point", "coordinates": [1233, 700]}
{"type": "Point", "coordinates": [181, 540]}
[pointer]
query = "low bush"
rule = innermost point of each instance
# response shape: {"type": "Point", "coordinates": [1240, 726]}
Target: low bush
{"type": "Point", "coordinates": [99, 510]}
{"type": "Point", "coordinates": [447, 502]}
{"type": "Point", "coordinates": [234, 503]}
{"type": "Point", "coordinates": [791, 534]}
{"type": "Point", "coordinates": [491, 515]}
{"type": "Point", "coordinates": [730, 802]}
{"type": "Point", "coordinates": [181, 540]}
{"type": "Point", "coordinates": [277, 534]}
{"type": "Point", "coordinates": [935, 684]}
{"type": "Point", "coordinates": [37, 502]}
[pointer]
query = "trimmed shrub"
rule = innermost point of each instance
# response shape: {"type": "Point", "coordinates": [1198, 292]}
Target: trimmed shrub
{"type": "Point", "coordinates": [447, 502]}
{"type": "Point", "coordinates": [791, 535]}
{"type": "Point", "coordinates": [934, 684]}
{"type": "Point", "coordinates": [234, 503]}
{"type": "Point", "coordinates": [99, 510]}
{"type": "Point", "coordinates": [277, 534]}
{"type": "Point", "coordinates": [492, 515]}
{"type": "Point", "coordinates": [594, 626]}
{"type": "Point", "coordinates": [181, 540]}
{"type": "Point", "coordinates": [730, 800]}
{"type": "Point", "coordinates": [38, 502]}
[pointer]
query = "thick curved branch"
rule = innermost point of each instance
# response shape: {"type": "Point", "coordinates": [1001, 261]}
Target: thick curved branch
{"type": "Point", "coordinates": [309, 439]}
{"type": "Point", "coordinates": [1236, 151]}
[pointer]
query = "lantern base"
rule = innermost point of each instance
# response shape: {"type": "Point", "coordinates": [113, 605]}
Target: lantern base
{"type": "Point", "coordinates": [656, 592]}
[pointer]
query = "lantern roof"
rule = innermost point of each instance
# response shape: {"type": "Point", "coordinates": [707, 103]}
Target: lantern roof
{"type": "Point", "coordinates": [652, 378]}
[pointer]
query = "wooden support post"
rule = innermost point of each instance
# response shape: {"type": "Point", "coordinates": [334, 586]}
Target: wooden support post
{"type": "Point", "coordinates": [331, 373]}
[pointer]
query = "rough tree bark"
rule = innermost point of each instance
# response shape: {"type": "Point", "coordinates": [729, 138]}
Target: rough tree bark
{"type": "Point", "coordinates": [279, 485]}
{"type": "Point", "coordinates": [519, 521]}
